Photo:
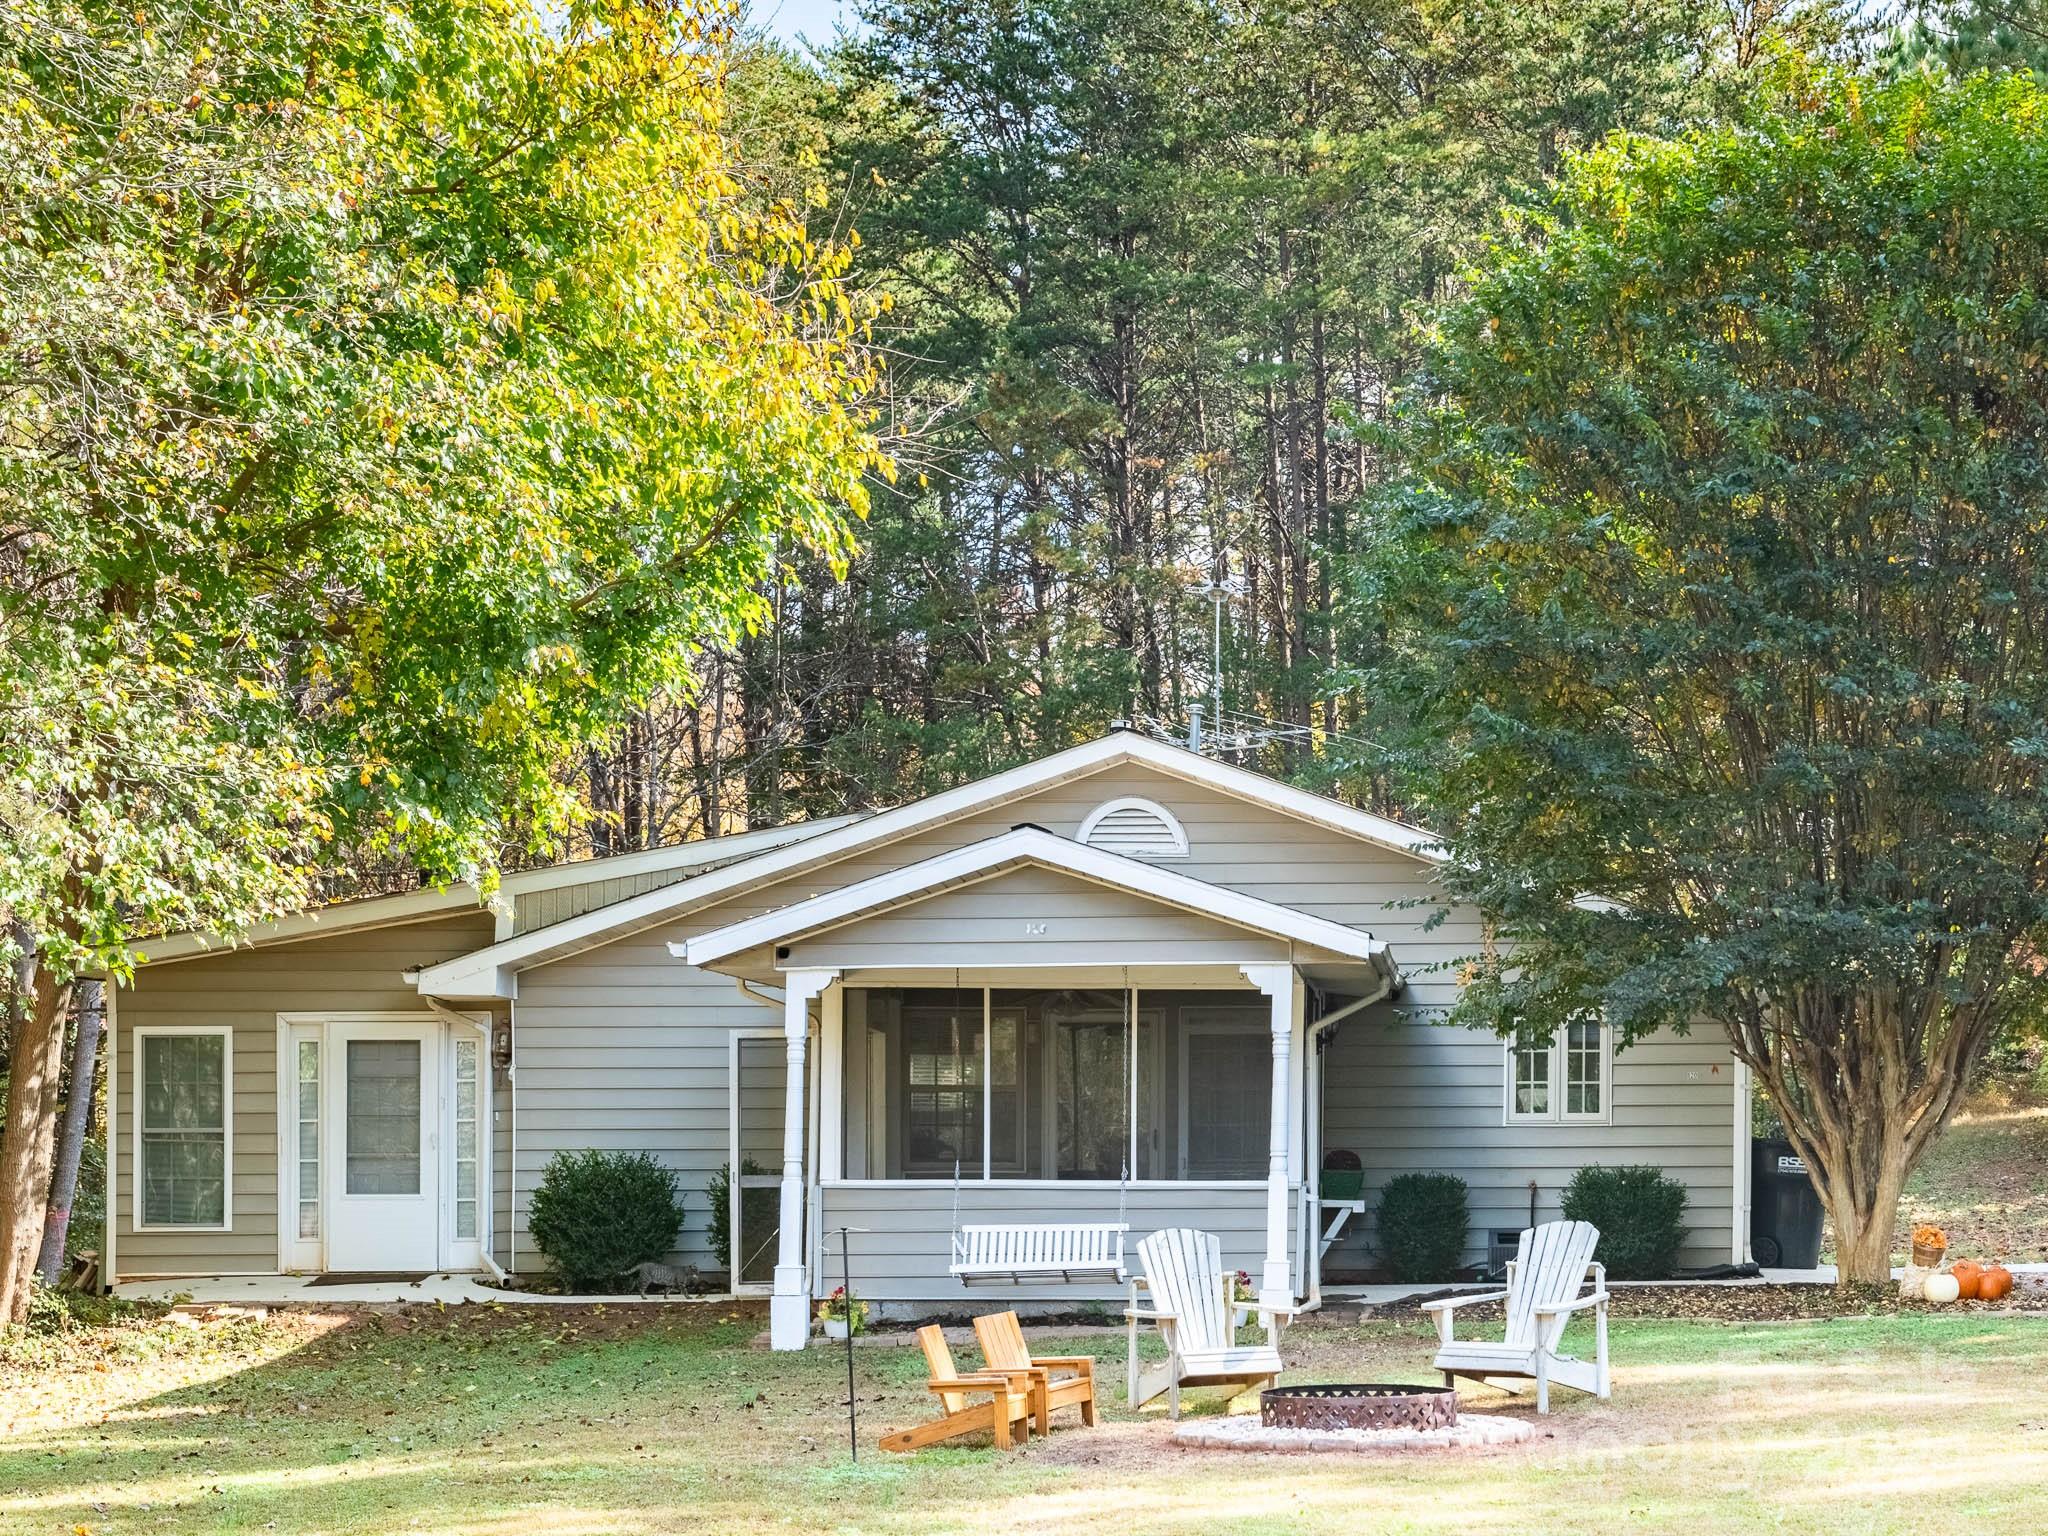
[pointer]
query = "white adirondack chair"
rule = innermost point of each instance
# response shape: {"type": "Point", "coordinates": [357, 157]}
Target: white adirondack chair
{"type": "Point", "coordinates": [1554, 1260]}
{"type": "Point", "coordinates": [1190, 1301]}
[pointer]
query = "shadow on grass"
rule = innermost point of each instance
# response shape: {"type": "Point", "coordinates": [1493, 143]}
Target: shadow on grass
{"type": "Point", "coordinates": [585, 1420]}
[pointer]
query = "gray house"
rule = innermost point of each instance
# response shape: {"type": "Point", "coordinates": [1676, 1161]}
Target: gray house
{"type": "Point", "coordinates": [1125, 984]}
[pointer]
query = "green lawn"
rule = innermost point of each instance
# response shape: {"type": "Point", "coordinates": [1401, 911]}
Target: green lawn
{"type": "Point", "coordinates": [1986, 1183]}
{"type": "Point", "coordinates": [537, 1420]}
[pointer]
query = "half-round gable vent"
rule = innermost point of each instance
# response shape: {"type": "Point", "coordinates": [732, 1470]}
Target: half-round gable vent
{"type": "Point", "coordinates": [1136, 828]}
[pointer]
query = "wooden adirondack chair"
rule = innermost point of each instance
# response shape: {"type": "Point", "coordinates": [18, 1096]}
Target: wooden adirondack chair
{"type": "Point", "coordinates": [1190, 1296]}
{"type": "Point", "coordinates": [1553, 1261]}
{"type": "Point", "coordinates": [1057, 1381]}
{"type": "Point", "coordinates": [1008, 1393]}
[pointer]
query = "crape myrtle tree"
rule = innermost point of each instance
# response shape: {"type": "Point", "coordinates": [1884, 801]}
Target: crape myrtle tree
{"type": "Point", "coordinates": [391, 397]}
{"type": "Point", "coordinates": [1715, 593]}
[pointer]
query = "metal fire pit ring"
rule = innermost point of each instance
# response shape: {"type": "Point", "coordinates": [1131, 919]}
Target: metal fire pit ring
{"type": "Point", "coordinates": [1359, 1405]}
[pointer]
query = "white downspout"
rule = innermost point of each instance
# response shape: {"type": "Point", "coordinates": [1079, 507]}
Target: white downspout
{"type": "Point", "coordinates": [111, 1217]}
{"type": "Point", "coordinates": [1741, 1172]}
{"type": "Point", "coordinates": [768, 997]}
{"type": "Point", "coordinates": [1312, 1209]}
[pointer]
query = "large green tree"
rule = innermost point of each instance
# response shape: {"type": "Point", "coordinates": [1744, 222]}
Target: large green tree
{"type": "Point", "coordinates": [1716, 588]}
{"type": "Point", "coordinates": [391, 396]}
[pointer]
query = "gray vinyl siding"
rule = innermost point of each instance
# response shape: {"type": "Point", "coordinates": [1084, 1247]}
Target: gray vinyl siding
{"type": "Point", "coordinates": [624, 1045]}
{"type": "Point", "coordinates": [537, 909]}
{"type": "Point", "coordinates": [1082, 923]}
{"type": "Point", "coordinates": [627, 1047]}
{"type": "Point", "coordinates": [906, 1248]}
{"type": "Point", "coordinates": [1419, 1097]}
{"type": "Point", "coordinates": [246, 990]}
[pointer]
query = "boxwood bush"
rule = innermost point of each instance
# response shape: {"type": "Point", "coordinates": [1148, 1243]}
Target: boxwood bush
{"type": "Point", "coordinates": [596, 1214]}
{"type": "Point", "coordinates": [1640, 1213]}
{"type": "Point", "coordinates": [1422, 1221]}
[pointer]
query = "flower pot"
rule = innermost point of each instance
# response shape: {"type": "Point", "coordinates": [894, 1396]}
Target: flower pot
{"type": "Point", "coordinates": [1240, 1313]}
{"type": "Point", "coordinates": [1927, 1256]}
{"type": "Point", "coordinates": [835, 1327]}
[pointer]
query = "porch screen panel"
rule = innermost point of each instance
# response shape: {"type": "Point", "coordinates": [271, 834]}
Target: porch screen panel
{"type": "Point", "coordinates": [1226, 1096]}
{"type": "Point", "coordinates": [942, 1080]}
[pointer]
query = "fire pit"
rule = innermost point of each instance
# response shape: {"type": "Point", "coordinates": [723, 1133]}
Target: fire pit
{"type": "Point", "coordinates": [1359, 1405]}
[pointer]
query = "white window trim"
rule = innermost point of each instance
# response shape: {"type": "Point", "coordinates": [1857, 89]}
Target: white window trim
{"type": "Point", "coordinates": [1167, 820]}
{"type": "Point", "coordinates": [149, 1032]}
{"type": "Point", "coordinates": [1557, 1114]}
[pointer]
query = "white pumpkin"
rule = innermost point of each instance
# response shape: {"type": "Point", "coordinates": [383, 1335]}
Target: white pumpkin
{"type": "Point", "coordinates": [1941, 1289]}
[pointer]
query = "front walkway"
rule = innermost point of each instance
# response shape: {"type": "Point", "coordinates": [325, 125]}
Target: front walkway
{"type": "Point", "coordinates": [455, 1290]}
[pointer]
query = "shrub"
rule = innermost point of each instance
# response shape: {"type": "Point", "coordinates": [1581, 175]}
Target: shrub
{"type": "Point", "coordinates": [1639, 1213]}
{"type": "Point", "coordinates": [597, 1214]}
{"type": "Point", "coordinates": [1422, 1221]}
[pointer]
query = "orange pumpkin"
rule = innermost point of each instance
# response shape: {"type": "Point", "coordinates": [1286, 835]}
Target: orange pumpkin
{"type": "Point", "coordinates": [1969, 1277]}
{"type": "Point", "coordinates": [1995, 1283]}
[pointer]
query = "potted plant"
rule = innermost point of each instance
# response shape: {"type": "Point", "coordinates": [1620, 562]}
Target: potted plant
{"type": "Point", "coordinates": [842, 1317]}
{"type": "Point", "coordinates": [1241, 1298]}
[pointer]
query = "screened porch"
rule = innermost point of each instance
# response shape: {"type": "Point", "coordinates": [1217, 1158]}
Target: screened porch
{"type": "Point", "coordinates": [1056, 1084]}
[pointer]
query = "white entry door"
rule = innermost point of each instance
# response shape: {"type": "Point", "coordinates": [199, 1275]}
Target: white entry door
{"type": "Point", "coordinates": [383, 1190]}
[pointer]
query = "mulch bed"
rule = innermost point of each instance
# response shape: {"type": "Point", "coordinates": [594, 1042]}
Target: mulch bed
{"type": "Point", "coordinates": [1750, 1303]}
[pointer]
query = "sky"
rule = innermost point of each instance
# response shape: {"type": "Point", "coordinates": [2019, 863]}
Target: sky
{"type": "Point", "coordinates": [794, 19]}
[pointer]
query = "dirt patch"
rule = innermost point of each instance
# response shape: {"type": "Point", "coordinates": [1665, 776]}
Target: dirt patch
{"type": "Point", "coordinates": [1748, 1303]}
{"type": "Point", "coordinates": [563, 1320]}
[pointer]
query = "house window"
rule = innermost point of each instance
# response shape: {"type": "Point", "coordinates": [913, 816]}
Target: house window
{"type": "Point", "coordinates": [182, 1127]}
{"type": "Point", "coordinates": [1560, 1079]}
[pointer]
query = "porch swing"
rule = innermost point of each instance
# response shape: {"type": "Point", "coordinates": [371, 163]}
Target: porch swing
{"type": "Point", "coordinates": [1040, 1253]}
{"type": "Point", "coordinates": [1049, 1253]}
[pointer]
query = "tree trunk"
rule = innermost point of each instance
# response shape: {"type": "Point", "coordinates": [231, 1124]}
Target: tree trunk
{"type": "Point", "coordinates": [85, 1053]}
{"type": "Point", "coordinates": [1865, 1211]}
{"type": "Point", "coordinates": [25, 1149]}
{"type": "Point", "coordinates": [1864, 1083]}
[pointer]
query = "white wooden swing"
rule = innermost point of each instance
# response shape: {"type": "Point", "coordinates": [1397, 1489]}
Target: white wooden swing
{"type": "Point", "coordinates": [1039, 1253]}
{"type": "Point", "coordinates": [1048, 1253]}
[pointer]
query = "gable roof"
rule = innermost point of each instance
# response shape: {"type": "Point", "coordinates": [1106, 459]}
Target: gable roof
{"type": "Point", "coordinates": [368, 912]}
{"type": "Point", "coordinates": [1019, 848]}
{"type": "Point", "coordinates": [489, 972]}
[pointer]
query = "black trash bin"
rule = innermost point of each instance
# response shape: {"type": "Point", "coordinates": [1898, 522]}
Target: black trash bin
{"type": "Point", "coordinates": [1784, 1210]}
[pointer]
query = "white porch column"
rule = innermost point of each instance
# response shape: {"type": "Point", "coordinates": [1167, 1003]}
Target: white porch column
{"type": "Point", "coordinates": [1276, 1283]}
{"type": "Point", "coordinates": [789, 1310]}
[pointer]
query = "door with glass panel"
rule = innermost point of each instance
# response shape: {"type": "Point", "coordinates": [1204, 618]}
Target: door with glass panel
{"type": "Point", "coordinates": [382, 1182]}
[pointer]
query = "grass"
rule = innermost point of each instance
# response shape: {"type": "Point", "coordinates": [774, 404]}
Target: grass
{"type": "Point", "coordinates": [503, 1420]}
{"type": "Point", "coordinates": [1985, 1183]}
